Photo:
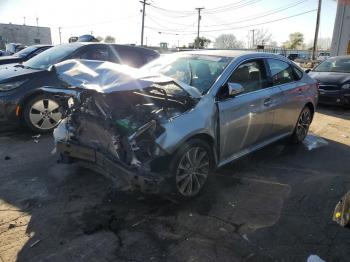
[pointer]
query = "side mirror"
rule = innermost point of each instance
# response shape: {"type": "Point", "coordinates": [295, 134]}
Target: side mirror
{"type": "Point", "coordinates": [308, 70]}
{"type": "Point", "coordinates": [234, 89]}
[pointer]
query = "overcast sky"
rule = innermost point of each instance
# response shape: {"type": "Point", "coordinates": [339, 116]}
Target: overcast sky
{"type": "Point", "coordinates": [122, 18]}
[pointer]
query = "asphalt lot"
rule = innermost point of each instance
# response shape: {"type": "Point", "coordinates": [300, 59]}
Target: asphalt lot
{"type": "Point", "coordinates": [274, 205]}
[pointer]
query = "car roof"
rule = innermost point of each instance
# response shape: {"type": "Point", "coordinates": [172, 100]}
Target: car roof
{"type": "Point", "coordinates": [41, 45]}
{"type": "Point", "coordinates": [234, 53]}
{"type": "Point", "coordinates": [225, 53]}
{"type": "Point", "coordinates": [142, 49]}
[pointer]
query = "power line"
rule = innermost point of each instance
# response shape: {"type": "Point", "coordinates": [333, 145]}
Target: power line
{"type": "Point", "coordinates": [240, 27]}
{"type": "Point", "coordinates": [264, 14]}
{"type": "Point", "coordinates": [251, 2]}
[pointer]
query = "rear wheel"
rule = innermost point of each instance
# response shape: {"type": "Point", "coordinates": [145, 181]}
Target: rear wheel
{"type": "Point", "coordinates": [302, 126]}
{"type": "Point", "coordinates": [41, 114]}
{"type": "Point", "coordinates": [191, 167]}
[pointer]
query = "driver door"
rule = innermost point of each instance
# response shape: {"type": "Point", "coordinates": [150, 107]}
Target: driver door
{"type": "Point", "coordinates": [245, 120]}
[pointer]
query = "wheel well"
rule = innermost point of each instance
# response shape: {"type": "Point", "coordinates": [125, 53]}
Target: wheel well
{"type": "Point", "coordinates": [205, 137]}
{"type": "Point", "coordinates": [26, 99]}
{"type": "Point", "coordinates": [208, 139]}
{"type": "Point", "coordinates": [311, 107]}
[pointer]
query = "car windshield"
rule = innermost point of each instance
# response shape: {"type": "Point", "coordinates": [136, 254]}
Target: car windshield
{"type": "Point", "coordinates": [51, 56]}
{"type": "Point", "coordinates": [26, 51]}
{"type": "Point", "coordinates": [199, 71]}
{"type": "Point", "coordinates": [341, 65]}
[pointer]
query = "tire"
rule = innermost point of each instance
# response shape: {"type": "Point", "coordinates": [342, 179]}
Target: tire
{"type": "Point", "coordinates": [191, 166]}
{"type": "Point", "coordinates": [302, 126]}
{"type": "Point", "coordinates": [41, 114]}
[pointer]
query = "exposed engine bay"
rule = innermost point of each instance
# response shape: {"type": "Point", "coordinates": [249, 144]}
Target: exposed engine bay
{"type": "Point", "coordinates": [124, 125]}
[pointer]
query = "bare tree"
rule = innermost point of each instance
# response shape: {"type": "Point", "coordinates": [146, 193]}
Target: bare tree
{"type": "Point", "coordinates": [262, 37]}
{"type": "Point", "coordinates": [109, 39]}
{"type": "Point", "coordinates": [99, 38]}
{"type": "Point", "coordinates": [227, 41]}
{"type": "Point", "coordinates": [296, 41]}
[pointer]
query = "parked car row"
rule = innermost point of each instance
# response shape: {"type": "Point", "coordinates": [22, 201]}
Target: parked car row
{"type": "Point", "coordinates": [22, 101]}
{"type": "Point", "coordinates": [162, 124]}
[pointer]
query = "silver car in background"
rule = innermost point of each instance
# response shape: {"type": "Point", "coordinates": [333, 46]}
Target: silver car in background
{"type": "Point", "coordinates": [168, 126]}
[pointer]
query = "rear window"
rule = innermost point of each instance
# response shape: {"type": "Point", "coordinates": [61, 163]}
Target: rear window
{"type": "Point", "coordinates": [281, 72]}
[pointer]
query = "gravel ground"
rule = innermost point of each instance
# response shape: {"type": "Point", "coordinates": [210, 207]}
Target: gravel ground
{"type": "Point", "coordinates": [274, 205]}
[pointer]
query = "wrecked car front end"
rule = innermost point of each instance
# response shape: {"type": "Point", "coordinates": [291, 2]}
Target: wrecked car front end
{"type": "Point", "coordinates": [120, 128]}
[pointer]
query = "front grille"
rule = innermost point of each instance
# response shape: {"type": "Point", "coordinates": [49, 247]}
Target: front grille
{"type": "Point", "coordinates": [329, 87]}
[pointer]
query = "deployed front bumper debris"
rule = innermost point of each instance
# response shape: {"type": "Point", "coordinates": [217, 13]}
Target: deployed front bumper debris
{"type": "Point", "coordinates": [139, 179]}
{"type": "Point", "coordinates": [341, 213]}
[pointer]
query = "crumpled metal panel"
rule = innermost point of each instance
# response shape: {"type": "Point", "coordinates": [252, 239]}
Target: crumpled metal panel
{"type": "Point", "coordinates": [107, 77]}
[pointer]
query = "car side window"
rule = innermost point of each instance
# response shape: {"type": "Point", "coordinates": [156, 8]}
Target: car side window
{"type": "Point", "coordinates": [98, 53]}
{"type": "Point", "coordinates": [251, 75]}
{"type": "Point", "coordinates": [129, 56]}
{"type": "Point", "coordinates": [281, 72]}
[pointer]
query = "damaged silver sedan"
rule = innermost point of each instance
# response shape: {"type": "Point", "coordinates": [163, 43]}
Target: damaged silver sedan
{"type": "Point", "coordinates": [166, 127]}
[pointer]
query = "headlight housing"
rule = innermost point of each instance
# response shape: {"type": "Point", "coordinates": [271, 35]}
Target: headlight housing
{"type": "Point", "coordinates": [11, 85]}
{"type": "Point", "coordinates": [345, 86]}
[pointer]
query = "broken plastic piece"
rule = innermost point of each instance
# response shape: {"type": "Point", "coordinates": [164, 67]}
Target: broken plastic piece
{"type": "Point", "coordinates": [312, 142]}
{"type": "Point", "coordinates": [36, 138]}
{"type": "Point", "coordinates": [342, 211]}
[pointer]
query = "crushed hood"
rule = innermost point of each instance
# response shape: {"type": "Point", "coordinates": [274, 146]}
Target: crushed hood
{"type": "Point", "coordinates": [107, 77]}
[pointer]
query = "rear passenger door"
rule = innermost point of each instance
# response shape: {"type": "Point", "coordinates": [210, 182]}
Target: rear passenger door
{"type": "Point", "coordinates": [246, 119]}
{"type": "Point", "coordinates": [287, 95]}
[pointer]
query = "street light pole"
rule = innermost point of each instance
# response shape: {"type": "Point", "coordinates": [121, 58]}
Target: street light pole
{"type": "Point", "coordinates": [314, 49]}
{"type": "Point", "coordinates": [144, 3]}
{"type": "Point", "coordinates": [59, 33]}
{"type": "Point", "coordinates": [199, 9]}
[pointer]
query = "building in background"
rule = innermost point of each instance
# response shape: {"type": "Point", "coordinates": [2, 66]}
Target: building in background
{"type": "Point", "coordinates": [24, 34]}
{"type": "Point", "coordinates": [341, 32]}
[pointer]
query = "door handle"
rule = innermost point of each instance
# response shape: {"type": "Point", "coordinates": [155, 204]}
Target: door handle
{"type": "Point", "coordinates": [267, 102]}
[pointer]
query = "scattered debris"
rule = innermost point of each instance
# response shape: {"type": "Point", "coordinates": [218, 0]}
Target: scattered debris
{"type": "Point", "coordinates": [12, 225]}
{"type": "Point", "coordinates": [35, 243]}
{"type": "Point", "coordinates": [232, 204]}
{"type": "Point", "coordinates": [341, 213]}
{"type": "Point", "coordinates": [312, 142]}
{"type": "Point", "coordinates": [245, 237]}
{"type": "Point", "coordinates": [7, 158]}
{"type": "Point", "coordinates": [36, 138]}
{"type": "Point", "coordinates": [314, 258]}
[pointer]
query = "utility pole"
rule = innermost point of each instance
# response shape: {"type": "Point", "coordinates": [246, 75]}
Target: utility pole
{"type": "Point", "coordinates": [24, 20]}
{"type": "Point", "coordinates": [59, 33]}
{"type": "Point", "coordinates": [253, 37]}
{"type": "Point", "coordinates": [144, 3]}
{"type": "Point", "coordinates": [314, 49]}
{"type": "Point", "coordinates": [199, 9]}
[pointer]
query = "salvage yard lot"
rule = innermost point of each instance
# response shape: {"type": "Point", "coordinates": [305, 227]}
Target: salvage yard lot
{"type": "Point", "coordinates": [274, 205]}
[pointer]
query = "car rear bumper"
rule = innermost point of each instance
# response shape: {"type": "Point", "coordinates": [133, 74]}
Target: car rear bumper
{"type": "Point", "coordinates": [334, 97]}
{"type": "Point", "coordinates": [139, 179]}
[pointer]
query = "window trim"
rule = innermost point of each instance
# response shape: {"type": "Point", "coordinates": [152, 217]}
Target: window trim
{"type": "Point", "coordinates": [235, 68]}
{"type": "Point", "coordinates": [290, 64]}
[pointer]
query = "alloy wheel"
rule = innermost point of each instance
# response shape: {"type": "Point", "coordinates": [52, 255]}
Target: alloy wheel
{"type": "Point", "coordinates": [303, 124]}
{"type": "Point", "coordinates": [192, 171]}
{"type": "Point", "coordinates": [44, 114]}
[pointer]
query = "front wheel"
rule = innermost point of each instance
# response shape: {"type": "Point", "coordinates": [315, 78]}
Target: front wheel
{"type": "Point", "coordinates": [302, 126]}
{"type": "Point", "coordinates": [191, 167]}
{"type": "Point", "coordinates": [41, 114]}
